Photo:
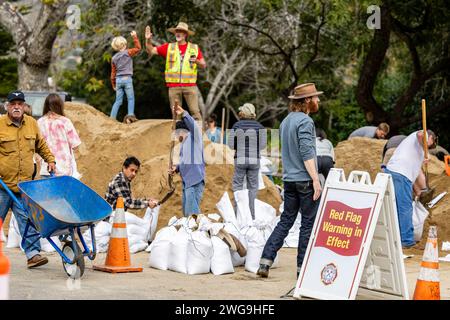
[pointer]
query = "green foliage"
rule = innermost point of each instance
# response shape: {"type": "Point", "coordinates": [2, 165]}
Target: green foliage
{"type": "Point", "coordinates": [8, 75]}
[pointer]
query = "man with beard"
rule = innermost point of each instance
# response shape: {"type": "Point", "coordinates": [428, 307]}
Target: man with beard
{"type": "Point", "coordinates": [182, 60]}
{"type": "Point", "coordinates": [20, 139]}
{"type": "Point", "coordinates": [300, 175]}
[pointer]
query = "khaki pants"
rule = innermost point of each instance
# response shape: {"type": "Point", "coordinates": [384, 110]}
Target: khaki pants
{"type": "Point", "coordinates": [191, 97]}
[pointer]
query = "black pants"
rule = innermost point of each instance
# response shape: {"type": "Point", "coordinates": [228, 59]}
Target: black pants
{"type": "Point", "coordinates": [325, 163]}
{"type": "Point", "coordinates": [298, 196]}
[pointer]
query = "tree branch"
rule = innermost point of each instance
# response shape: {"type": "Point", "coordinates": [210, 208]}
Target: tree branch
{"type": "Point", "coordinates": [13, 21]}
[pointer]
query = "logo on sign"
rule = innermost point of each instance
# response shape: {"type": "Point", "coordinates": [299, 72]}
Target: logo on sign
{"type": "Point", "coordinates": [329, 274]}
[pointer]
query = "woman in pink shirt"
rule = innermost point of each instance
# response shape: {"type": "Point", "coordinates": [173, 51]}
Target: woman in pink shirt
{"type": "Point", "coordinates": [60, 135]}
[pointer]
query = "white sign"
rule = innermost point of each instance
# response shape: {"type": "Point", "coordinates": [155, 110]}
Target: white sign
{"type": "Point", "coordinates": [340, 243]}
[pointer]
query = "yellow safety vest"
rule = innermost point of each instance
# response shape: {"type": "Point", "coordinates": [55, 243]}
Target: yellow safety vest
{"type": "Point", "coordinates": [181, 70]}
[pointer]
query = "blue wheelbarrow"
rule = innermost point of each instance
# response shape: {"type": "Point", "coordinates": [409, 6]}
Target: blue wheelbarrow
{"type": "Point", "coordinates": [62, 206]}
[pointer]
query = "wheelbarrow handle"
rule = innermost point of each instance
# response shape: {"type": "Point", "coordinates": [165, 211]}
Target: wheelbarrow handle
{"type": "Point", "coordinates": [11, 194]}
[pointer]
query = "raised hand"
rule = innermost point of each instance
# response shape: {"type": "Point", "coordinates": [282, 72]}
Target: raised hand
{"type": "Point", "coordinates": [133, 33]}
{"type": "Point", "coordinates": [148, 33]}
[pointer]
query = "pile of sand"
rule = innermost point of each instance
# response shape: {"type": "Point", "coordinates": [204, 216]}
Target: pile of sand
{"type": "Point", "coordinates": [106, 144]}
{"type": "Point", "coordinates": [365, 154]}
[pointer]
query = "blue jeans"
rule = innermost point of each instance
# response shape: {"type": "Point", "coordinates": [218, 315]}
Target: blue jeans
{"type": "Point", "coordinates": [123, 85]}
{"type": "Point", "coordinates": [403, 196]}
{"type": "Point", "coordinates": [298, 196]}
{"type": "Point", "coordinates": [249, 172]}
{"type": "Point", "coordinates": [192, 197]}
{"type": "Point", "coordinates": [7, 203]}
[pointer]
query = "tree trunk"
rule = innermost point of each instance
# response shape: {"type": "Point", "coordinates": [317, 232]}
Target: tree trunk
{"type": "Point", "coordinates": [32, 77]}
{"type": "Point", "coordinates": [34, 40]}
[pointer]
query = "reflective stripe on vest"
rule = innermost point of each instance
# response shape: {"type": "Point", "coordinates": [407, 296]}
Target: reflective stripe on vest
{"type": "Point", "coordinates": [179, 70]}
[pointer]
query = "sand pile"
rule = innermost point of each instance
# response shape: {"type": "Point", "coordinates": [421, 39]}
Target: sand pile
{"type": "Point", "coordinates": [365, 154]}
{"type": "Point", "coordinates": [106, 143]}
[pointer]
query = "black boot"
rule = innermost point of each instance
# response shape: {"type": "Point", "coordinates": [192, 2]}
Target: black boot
{"type": "Point", "coordinates": [263, 271]}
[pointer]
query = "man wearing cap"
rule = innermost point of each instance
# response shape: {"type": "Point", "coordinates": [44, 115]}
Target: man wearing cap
{"type": "Point", "coordinates": [20, 139]}
{"type": "Point", "coordinates": [300, 175]}
{"type": "Point", "coordinates": [247, 137]}
{"type": "Point", "coordinates": [182, 60]}
{"type": "Point", "coordinates": [192, 163]}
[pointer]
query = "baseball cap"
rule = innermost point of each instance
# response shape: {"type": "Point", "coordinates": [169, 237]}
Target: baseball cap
{"type": "Point", "coordinates": [16, 95]}
{"type": "Point", "coordinates": [248, 109]}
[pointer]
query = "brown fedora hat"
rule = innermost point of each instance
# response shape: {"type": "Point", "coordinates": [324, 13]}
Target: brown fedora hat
{"type": "Point", "coordinates": [183, 27]}
{"type": "Point", "coordinates": [305, 90]}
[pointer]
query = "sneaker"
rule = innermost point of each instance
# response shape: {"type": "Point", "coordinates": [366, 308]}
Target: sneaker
{"type": "Point", "coordinates": [263, 271]}
{"type": "Point", "coordinates": [36, 261]}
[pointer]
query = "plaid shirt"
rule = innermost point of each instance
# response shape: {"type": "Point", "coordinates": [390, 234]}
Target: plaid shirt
{"type": "Point", "coordinates": [120, 187]}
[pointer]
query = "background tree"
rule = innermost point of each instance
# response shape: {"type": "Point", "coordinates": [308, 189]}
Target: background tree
{"type": "Point", "coordinates": [33, 39]}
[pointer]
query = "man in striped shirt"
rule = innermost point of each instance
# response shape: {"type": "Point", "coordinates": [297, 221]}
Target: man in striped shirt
{"type": "Point", "coordinates": [120, 186]}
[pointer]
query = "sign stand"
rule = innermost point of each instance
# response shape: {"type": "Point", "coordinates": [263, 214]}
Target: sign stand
{"type": "Point", "coordinates": [355, 241]}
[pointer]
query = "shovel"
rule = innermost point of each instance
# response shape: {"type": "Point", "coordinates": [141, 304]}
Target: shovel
{"type": "Point", "coordinates": [427, 193]}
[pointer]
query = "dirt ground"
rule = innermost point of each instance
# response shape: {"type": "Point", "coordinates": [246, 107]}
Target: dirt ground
{"type": "Point", "coordinates": [50, 281]}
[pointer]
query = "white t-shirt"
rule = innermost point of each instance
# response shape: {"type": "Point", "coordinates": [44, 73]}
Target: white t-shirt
{"type": "Point", "coordinates": [408, 158]}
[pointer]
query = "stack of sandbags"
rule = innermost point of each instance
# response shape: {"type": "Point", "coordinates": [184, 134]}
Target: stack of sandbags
{"type": "Point", "coordinates": [253, 234]}
{"type": "Point", "coordinates": [15, 238]}
{"type": "Point", "coordinates": [191, 246]}
{"type": "Point", "coordinates": [140, 231]}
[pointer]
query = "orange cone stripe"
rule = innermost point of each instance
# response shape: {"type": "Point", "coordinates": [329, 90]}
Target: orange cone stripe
{"type": "Point", "coordinates": [430, 265]}
{"type": "Point", "coordinates": [119, 225]}
{"type": "Point", "coordinates": [427, 290]}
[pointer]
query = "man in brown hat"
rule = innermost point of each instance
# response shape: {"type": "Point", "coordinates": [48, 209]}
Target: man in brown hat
{"type": "Point", "coordinates": [300, 175]}
{"type": "Point", "coordinates": [182, 60]}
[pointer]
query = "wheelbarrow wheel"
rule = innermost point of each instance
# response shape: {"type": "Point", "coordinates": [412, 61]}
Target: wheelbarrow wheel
{"type": "Point", "coordinates": [76, 270]}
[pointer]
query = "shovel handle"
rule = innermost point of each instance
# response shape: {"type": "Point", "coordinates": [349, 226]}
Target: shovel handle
{"type": "Point", "coordinates": [425, 135]}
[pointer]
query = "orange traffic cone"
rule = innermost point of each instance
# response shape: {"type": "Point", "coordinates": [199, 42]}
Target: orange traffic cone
{"type": "Point", "coordinates": [118, 257]}
{"type": "Point", "coordinates": [4, 271]}
{"type": "Point", "coordinates": [428, 286]}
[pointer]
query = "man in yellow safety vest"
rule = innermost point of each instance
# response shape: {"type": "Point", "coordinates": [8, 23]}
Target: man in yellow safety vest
{"type": "Point", "coordinates": [182, 60]}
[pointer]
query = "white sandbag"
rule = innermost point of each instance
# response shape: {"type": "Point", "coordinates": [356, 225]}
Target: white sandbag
{"type": "Point", "coordinates": [178, 251]}
{"type": "Point", "coordinates": [221, 260]}
{"type": "Point", "coordinates": [264, 212]}
{"type": "Point", "coordinates": [226, 209]}
{"type": "Point", "coordinates": [14, 237]}
{"type": "Point", "coordinates": [47, 247]}
{"type": "Point", "coordinates": [199, 253]}
{"type": "Point", "coordinates": [101, 229]}
{"type": "Point", "coordinates": [137, 247]}
{"type": "Point", "coordinates": [160, 248]}
{"type": "Point", "coordinates": [257, 236]}
{"type": "Point", "coordinates": [3, 238]}
{"type": "Point", "coordinates": [244, 216]}
{"type": "Point", "coordinates": [102, 232]}
{"type": "Point", "coordinates": [215, 217]}
{"type": "Point", "coordinates": [419, 216]}
{"type": "Point", "coordinates": [236, 259]}
{"type": "Point", "coordinates": [291, 241]}
{"type": "Point", "coordinates": [135, 230]}
{"type": "Point", "coordinates": [151, 217]}
{"type": "Point", "coordinates": [172, 221]}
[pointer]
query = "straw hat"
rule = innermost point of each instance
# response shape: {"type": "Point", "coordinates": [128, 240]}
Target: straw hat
{"type": "Point", "coordinates": [304, 91]}
{"type": "Point", "coordinates": [183, 27]}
